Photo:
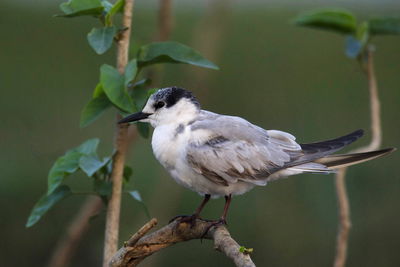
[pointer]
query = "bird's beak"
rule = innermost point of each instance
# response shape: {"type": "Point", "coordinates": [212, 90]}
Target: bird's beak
{"type": "Point", "coordinates": [135, 117]}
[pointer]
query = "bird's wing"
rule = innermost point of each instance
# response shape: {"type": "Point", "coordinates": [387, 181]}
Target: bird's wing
{"type": "Point", "coordinates": [233, 149]}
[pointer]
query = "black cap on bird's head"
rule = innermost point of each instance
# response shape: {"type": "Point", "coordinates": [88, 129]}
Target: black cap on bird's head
{"type": "Point", "coordinates": [167, 97]}
{"type": "Point", "coordinates": [171, 95]}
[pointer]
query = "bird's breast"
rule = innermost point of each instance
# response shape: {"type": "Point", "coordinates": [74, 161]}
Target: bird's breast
{"type": "Point", "coordinates": [168, 142]}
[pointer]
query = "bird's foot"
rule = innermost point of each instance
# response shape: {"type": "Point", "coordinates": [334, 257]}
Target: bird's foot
{"type": "Point", "coordinates": [213, 223]}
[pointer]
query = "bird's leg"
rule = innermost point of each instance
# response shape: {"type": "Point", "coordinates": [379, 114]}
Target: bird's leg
{"type": "Point", "coordinates": [202, 204]}
{"type": "Point", "coordinates": [228, 200]}
{"type": "Point", "coordinates": [222, 219]}
{"type": "Point", "coordinates": [192, 218]}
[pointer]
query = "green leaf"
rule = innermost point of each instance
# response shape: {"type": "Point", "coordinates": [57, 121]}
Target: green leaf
{"type": "Point", "coordinates": [113, 85]}
{"type": "Point", "coordinates": [102, 187]}
{"type": "Point", "coordinates": [69, 163]}
{"type": "Point", "coordinates": [338, 20]}
{"type": "Point", "coordinates": [384, 25]}
{"type": "Point", "coordinates": [245, 250]}
{"type": "Point", "coordinates": [94, 109]}
{"type": "Point", "coordinates": [127, 173]}
{"type": "Point", "coordinates": [107, 7]}
{"type": "Point", "coordinates": [353, 47]}
{"type": "Point", "coordinates": [98, 90]}
{"type": "Point", "coordinates": [143, 129]}
{"type": "Point", "coordinates": [75, 8]}
{"type": "Point", "coordinates": [362, 33]}
{"type": "Point", "coordinates": [46, 202]}
{"type": "Point", "coordinates": [139, 96]}
{"type": "Point", "coordinates": [89, 147]}
{"type": "Point", "coordinates": [107, 169]}
{"type": "Point", "coordinates": [171, 52]}
{"type": "Point", "coordinates": [90, 164]}
{"type": "Point", "coordinates": [131, 70]}
{"type": "Point", "coordinates": [117, 7]}
{"type": "Point", "coordinates": [101, 39]}
{"type": "Point", "coordinates": [144, 83]}
{"type": "Point", "coordinates": [65, 165]}
{"type": "Point", "coordinates": [136, 195]}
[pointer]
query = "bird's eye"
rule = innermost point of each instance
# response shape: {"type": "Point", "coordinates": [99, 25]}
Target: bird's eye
{"type": "Point", "coordinates": [159, 104]}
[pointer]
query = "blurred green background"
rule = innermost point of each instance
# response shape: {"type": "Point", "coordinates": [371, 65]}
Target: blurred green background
{"type": "Point", "coordinates": [272, 73]}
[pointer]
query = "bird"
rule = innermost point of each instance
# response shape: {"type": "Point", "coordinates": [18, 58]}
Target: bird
{"type": "Point", "coordinates": [222, 156]}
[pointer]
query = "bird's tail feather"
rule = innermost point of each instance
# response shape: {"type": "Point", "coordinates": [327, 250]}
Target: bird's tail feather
{"type": "Point", "coordinates": [319, 149]}
{"type": "Point", "coordinates": [314, 151]}
{"type": "Point", "coordinates": [333, 162]}
{"type": "Point", "coordinates": [310, 167]}
{"type": "Point", "coordinates": [330, 163]}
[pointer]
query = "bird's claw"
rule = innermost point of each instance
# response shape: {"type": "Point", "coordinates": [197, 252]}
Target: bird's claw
{"type": "Point", "coordinates": [214, 223]}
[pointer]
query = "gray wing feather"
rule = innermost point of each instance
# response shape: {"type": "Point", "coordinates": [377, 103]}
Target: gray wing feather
{"type": "Point", "coordinates": [238, 150]}
{"type": "Point", "coordinates": [230, 127]}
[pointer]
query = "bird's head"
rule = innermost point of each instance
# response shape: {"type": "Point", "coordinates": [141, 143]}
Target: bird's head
{"type": "Point", "coordinates": [167, 105]}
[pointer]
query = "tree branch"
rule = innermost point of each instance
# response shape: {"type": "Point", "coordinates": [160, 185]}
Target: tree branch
{"type": "Point", "coordinates": [121, 144]}
{"type": "Point", "coordinates": [67, 245]}
{"type": "Point", "coordinates": [376, 140]}
{"type": "Point", "coordinates": [140, 245]}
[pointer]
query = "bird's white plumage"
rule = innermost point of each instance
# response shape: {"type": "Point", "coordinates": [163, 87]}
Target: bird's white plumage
{"type": "Point", "coordinates": [217, 154]}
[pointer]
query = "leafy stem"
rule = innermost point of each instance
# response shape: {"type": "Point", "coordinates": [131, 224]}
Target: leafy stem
{"type": "Point", "coordinates": [357, 46]}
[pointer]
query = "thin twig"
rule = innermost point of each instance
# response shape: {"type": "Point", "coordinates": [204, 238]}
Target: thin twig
{"type": "Point", "coordinates": [141, 232]}
{"type": "Point", "coordinates": [68, 244]}
{"type": "Point", "coordinates": [344, 218]}
{"type": "Point", "coordinates": [208, 37]}
{"type": "Point", "coordinates": [165, 22]}
{"type": "Point", "coordinates": [375, 110]}
{"type": "Point", "coordinates": [175, 232]}
{"type": "Point", "coordinates": [163, 33]}
{"type": "Point", "coordinates": [376, 139]}
{"type": "Point", "coordinates": [121, 144]}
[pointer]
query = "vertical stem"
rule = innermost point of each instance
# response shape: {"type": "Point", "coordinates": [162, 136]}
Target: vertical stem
{"type": "Point", "coordinates": [376, 127]}
{"type": "Point", "coordinates": [68, 244]}
{"type": "Point", "coordinates": [208, 37]}
{"type": "Point", "coordinates": [164, 29]}
{"type": "Point", "coordinates": [344, 219]}
{"type": "Point", "coordinates": [164, 20]}
{"type": "Point", "coordinates": [121, 144]}
{"type": "Point", "coordinates": [376, 140]}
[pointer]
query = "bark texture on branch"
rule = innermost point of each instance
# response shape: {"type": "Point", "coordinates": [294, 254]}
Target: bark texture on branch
{"type": "Point", "coordinates": [121, 144]}
{"type": "Point", "coordinates": [376, 140]}
{"type": "Point", "coordinates": [140, 245]}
